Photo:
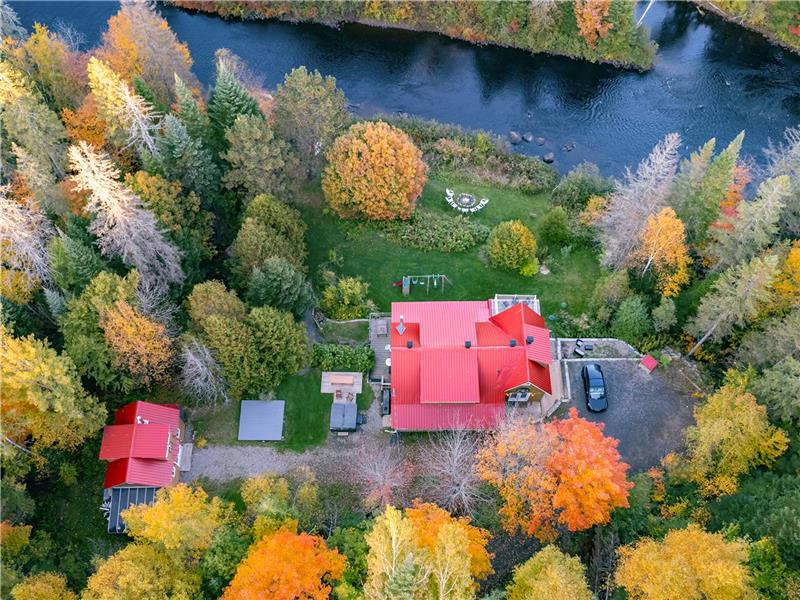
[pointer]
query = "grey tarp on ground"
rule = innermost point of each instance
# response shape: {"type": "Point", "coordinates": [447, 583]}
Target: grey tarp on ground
{"type": "Point", "coordinates": [343, 416]}
{"type": "Point", "coordinates": [261, 420]}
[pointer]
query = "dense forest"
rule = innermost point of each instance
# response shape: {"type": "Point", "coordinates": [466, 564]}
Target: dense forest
{"type": "Point", "coordinates": [164, 242]}
{"type": "Point", "coordinates": [597, 31]}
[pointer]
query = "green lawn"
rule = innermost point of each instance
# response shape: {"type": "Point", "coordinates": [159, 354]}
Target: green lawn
{"type": "Point", "coordinates": [305, 422]}
{"type": "Point", "coordinates": [345, 333]}
{"type": "Point", "coordinates": [380, 262]}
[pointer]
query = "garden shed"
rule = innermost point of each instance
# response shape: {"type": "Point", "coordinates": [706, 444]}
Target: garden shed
{"type": "Point", "coordinates": [261, 420]}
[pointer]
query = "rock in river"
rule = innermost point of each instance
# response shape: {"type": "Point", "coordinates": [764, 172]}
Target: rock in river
{"type": "Point", "coordinates": [527, 136]}
{"type": "Point", "coordinates": [515, 137]}
{"type": "Point", "coordinates": [540, 141]}
{"type": "Point", "coordinates": [549, 157]}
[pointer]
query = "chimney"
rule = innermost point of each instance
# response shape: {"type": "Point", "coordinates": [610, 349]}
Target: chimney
{"type": "Point", "coordinates": [512, 343]}
{"type": "Point", "coordinates": [530, 339]}
{"type": "Point", "coordinates": [467, 344]}
{"type": "Point", "coordinates": [401, 328]}
{"type": "Point", "coordinates": [409, 344]}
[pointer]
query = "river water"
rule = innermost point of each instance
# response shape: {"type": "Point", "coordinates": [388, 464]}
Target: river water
{"type": "Point", "coordinates": [710, 78]}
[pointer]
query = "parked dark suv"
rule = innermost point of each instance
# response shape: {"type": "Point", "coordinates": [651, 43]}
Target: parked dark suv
{"type": "Point", "coordinates": [594, 384]}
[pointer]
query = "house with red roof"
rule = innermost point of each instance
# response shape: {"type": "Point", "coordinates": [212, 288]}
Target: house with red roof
{"type": "Point", "coordinates": [460, 364]}
{"type": "Point", "coordinates": [143, 450]}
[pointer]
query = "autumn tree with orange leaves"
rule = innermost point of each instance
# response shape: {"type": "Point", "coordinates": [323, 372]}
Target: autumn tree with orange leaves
{"type": "Point", "coordinates": [564, 473]}
{"type": "Point", "coordinates": [374, 172]}
{"type": "Point", "coordinates": [590, 15]}
{"type": "Point", "coordinates": [287, 565]}
{"type": "Point", "coordinates": [140, 345]}
{"type": "Point", "coordinates": [662, 245]}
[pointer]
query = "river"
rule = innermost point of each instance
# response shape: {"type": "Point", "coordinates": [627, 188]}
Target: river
{"type": "Point", "coordinates": [710, 78]}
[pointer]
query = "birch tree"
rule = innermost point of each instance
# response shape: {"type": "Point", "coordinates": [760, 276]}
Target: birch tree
{"type": "Point", "coordinates": [662, 246]}
{"type": "Point", "coordinates": [383, 475]}
{"type": "Point", "coordinates": [450, 461]}
{"type": "Point", "coordinates": [201, 375]}
{"type": "Point", "coordinates": [24, 234]}
{"type": "Point", "coordinates": [123, 226]}
{"type": "Point", "coordinates": [753, 227]}
{"type": "Point", "coordinates": [736, 299]}
{"type": "Point", "coordinates": [641, 194]}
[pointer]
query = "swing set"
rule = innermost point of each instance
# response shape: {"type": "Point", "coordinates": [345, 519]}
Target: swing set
{"type": "Point", "coordinates": [438, 281]}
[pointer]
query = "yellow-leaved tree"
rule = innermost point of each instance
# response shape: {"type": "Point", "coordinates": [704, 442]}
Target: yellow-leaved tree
{"type": "Point", "coordinates": [374, 172]}
{"type": "Point", "coordinates": [182, 521]}
{"type": "Point", "coordinates": [425, 553]}
{"type": "Point", "coordinates": [732, 436]}
{"type": "Point", "coordinates": [690, 564]}
{"type": "Point", "coordinates": [140, 345]}
{"type": "Point", "coordinates": [786, 287]}
{"type": "Point", "coordinates": [550, 574]}
{"type": "Point", "coordinates": [662, 246]}
{"type": "Point", "coordinates": [141, 571]}
{"type": "Point", "coordinates": [43, 586]}
{"type": "Point", "coordinates": [44, 404]}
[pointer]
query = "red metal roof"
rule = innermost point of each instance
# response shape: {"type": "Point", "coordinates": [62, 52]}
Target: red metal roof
{"type": "Point", "coordinates": [142, 446]}
{"type": "Point", "coordinates": [449, 375]}
{"type": "Point", "coordinates": [438, 383]}
{"type": "Point", "coordinates": [135, 441]}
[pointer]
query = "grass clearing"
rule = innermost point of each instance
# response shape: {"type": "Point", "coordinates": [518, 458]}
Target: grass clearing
{"type": "Point", "coordinates": [305, 421]}
{"type": "Point", "coordinates": [334, 332]}
{"type": "Point", "coordinates": [366, 253]}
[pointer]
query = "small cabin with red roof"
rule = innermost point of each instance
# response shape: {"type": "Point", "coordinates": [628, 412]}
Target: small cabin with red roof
{"type": "Point", "coordinates": [143, 450]}
{"type": "Point", "coordinates": [459, 364]}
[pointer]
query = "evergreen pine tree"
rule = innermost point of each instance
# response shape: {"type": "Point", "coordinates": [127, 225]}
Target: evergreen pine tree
{"type": "Point", "coordinates": [277, 283]}
{"type": "Point", "coordinates": [753, 227]}
{"type": "Point", "coordinates": [404, 584]}
{"type": "Point", "coordinates": [701, 189]}
{"type": "Point", "coordinates": [194, 119]}
{"type": "Point", "coordinates": [183, 158]}
{"type": "Point", "coordinates": [735, 300]}
{"type": "Point", "coordinates": [73, 264]}
{"type": "Point", "coordinates": [228, 100]}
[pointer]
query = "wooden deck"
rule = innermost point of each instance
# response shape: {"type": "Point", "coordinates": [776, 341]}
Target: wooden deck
{"type": "Point", "coordinates": [379, 339]}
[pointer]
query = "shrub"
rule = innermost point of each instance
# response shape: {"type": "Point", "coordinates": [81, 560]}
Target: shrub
{"type": "Point", "coordinates": [554, 229]}
{"type": "Point", "coordinates": [664, 315]}
{"type": "Point", "coordinates": [374, 172]}
{"type": "Point", "coordinates": [511, 246]}
{"type": "Point", "coordinates": [609, 291]}
{"type": "Point", "coordinates": [347, 299]}
{"type": "Point", "coordinates": [580, 184]}
{"type": "Point", "coordinates": [428, 231]}
{"type": "Point", "coordinates": [631, 322]}
{"type": "Point", "coordinates": [277, 283]}
{"type": "Point", "coordinates": [336, 357]}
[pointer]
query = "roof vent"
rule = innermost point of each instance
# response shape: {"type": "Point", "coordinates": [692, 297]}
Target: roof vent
{"type": "Point", "coordinates": [512, 343]}
{"type": "Point", "coordinates": [409, 344]}
{"type": "Point", "coordinates": [530, 339]}
{"type": "Point", "coordinates": [467, 344]}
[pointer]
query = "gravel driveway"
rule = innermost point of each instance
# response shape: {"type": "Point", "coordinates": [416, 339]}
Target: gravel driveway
{"type": "Point", "coordinates": [329, 461]}
{"type": "Point", "coordinates": [646, 413]}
